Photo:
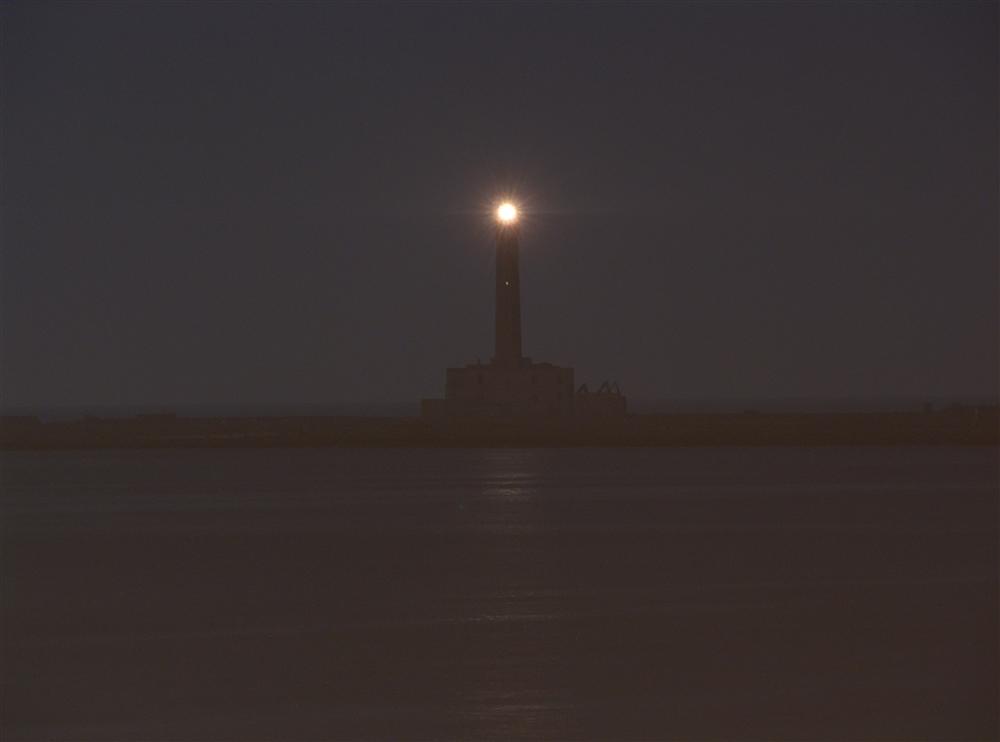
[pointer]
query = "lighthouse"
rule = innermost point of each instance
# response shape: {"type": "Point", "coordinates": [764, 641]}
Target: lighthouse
{"type": "Point", "coordinates": [511, 386]}
{"type": "Point", "coordinates": [507, 336]}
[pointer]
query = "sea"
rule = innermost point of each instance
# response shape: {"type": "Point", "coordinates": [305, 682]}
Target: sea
{"type": "Point", "coordinates": [500, 594]}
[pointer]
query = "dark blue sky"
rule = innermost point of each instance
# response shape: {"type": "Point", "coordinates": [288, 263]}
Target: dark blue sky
{"type": "Point", "coordinates": [249, 204]}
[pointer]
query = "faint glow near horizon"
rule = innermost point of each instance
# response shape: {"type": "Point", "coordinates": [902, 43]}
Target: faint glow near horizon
{"type": "Point", "coordinates": [507, 213]}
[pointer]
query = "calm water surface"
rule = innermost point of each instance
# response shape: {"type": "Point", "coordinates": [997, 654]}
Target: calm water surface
{"type": "Point", "coordinates": [806, 594]}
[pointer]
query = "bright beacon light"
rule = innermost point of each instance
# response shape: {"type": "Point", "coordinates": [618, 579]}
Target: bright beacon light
{"type": "Point", "coordinates": [507, 213]}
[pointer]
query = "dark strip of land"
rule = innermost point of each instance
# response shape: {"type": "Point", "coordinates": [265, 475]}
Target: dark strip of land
{"type": "Point", "coordinates": [955, 426]}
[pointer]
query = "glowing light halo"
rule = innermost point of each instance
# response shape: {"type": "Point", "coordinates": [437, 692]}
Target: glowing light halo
{"type": "Point", "coordinates": [507, 213]}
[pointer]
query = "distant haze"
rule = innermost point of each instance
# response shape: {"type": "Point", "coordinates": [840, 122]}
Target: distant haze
{"type": "Point", "coordinates": [253, 205]}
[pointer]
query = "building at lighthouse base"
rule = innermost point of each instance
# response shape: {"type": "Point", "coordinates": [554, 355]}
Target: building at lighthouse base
{"type": "Point", "coordinates": [525, 391]}
{"type": "Point", "coordinates": [500, 391]}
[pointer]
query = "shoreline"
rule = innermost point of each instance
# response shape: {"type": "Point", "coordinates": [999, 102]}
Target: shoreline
{"type": "Point", "coordinates": [958, 426]}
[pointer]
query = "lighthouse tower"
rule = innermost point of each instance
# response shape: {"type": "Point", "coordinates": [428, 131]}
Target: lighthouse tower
{"type": "Point", "coordinates": [508, 291]}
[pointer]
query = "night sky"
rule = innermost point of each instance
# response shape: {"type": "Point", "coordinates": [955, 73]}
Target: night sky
{"type": "Point", "coordinates": [255, 204]}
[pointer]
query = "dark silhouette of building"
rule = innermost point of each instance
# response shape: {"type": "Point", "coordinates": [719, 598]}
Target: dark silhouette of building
{"type": "Point", "coordinates": [607, 401]}
{"type": "Point", "coordinates": [511, 385]}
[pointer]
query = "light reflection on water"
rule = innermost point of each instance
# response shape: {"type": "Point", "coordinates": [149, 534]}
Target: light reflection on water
{"type": "Point", "coordinates": [501, 594]}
